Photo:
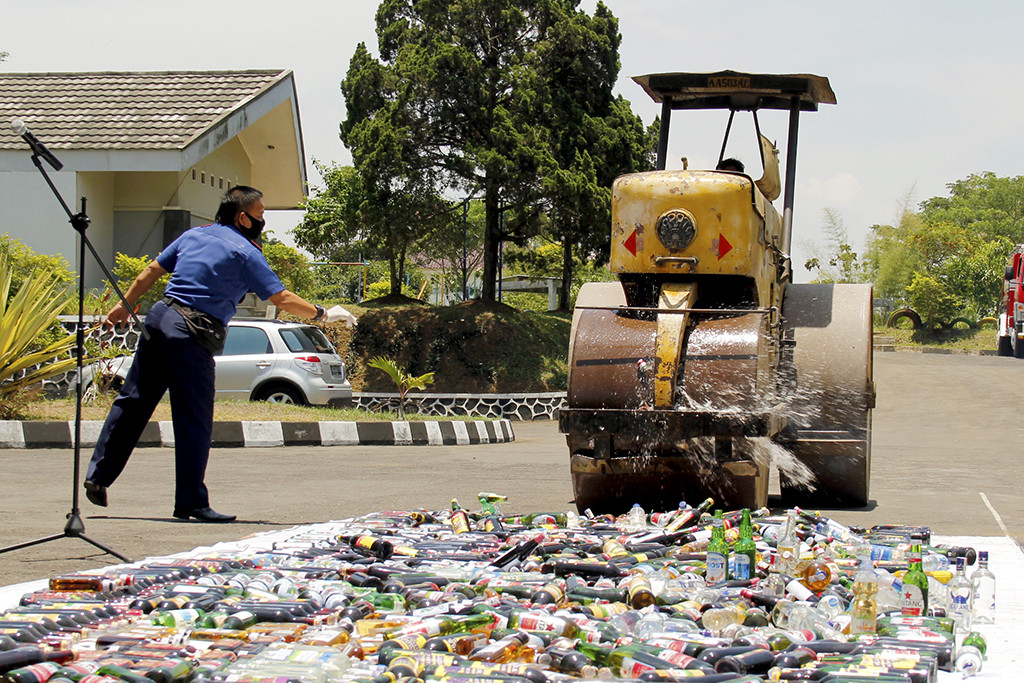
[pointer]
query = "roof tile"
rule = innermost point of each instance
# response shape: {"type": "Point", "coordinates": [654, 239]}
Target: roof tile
{"type": "Point", "coordinates": [123, 110]}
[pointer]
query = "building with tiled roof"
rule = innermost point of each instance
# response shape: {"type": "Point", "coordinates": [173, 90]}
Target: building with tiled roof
{"type": "Point", "coordinates": [151, 151]}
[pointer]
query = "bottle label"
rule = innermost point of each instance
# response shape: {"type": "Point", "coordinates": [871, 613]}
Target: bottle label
{"type": "Point", "coordinates": [912, 603]}
{"type": "Point", "coordinates": [540, 622]}
{"type": "Point", "coordinates": [630, 668]}
{"type": "Point", "coordinates": [741, 567]}
{"type": "Point", "coordinates": [716, 568]}
{"type": "Point", "coordinates": [863, 623]}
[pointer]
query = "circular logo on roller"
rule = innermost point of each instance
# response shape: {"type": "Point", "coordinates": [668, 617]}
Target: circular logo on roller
{"type": "Point", "coordinates": [676, 228]}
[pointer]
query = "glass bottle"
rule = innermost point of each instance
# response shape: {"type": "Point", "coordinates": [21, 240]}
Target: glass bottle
{"type": "Point", "coordinates": [688, 517]}
{"type": "Point", "coordinates": [744, 557]}
{"type": "Point", "coordinates": [776, 583]}
{"type": "Point", "coordinates": [788, 546]}
{"type": "Point", "coordinates": [459, 518]}
{"type": "Point", "coordinates": [970, 654]}
{"type": "Point", "coordinates": [984, 591]}
{"type": "Point", "coordinates": [961, 597]}
{"type": "Point", "coordinates": [864, 609]}
{"type": "Point", "coordinates": [914, 596]}
{"type": "Point", "coordinates": [718, 553]}
{"type": "Point", "coordinates": [638, 591]}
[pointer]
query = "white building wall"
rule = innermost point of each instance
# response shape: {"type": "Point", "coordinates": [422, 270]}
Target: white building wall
{"type": "Point", "coordinates": [30, 213]}
{"type": "Point", "coordinates": [98, 189]}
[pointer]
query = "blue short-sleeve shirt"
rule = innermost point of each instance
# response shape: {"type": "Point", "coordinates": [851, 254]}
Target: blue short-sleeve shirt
{"type": "Point", "coordinates": [213, 267]}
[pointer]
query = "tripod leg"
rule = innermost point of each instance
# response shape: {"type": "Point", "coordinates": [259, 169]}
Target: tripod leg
{"type": "Point", "coordinates": [104, 548]}
{"type": "Point", "coordinates": [26, 544]}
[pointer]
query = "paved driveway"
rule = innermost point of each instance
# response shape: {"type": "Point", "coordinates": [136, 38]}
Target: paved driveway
{"type": "Point", "coordinates": [947, 454]}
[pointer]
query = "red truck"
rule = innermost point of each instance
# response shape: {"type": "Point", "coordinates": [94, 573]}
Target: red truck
{"type": "Point", "coordinates": [1010, 340]}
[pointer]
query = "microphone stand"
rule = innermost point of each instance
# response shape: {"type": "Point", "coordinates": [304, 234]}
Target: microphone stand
{"type": "Point", "coordinates": [75, 527]}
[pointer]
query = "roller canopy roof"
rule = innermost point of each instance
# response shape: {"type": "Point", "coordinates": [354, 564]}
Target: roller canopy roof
{"type": "Point", "coordinates": [735, 90]}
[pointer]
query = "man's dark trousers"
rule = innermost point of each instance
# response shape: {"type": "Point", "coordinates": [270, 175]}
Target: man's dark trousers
{"type": "Point", "coordinates": [170, 360]}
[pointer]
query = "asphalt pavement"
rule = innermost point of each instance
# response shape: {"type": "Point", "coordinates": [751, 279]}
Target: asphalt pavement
{"type": "Point", "coordinates": [946, 454]}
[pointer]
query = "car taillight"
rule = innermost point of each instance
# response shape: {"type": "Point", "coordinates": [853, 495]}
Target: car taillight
{"type": "Point", "coordinates": [310, 364]}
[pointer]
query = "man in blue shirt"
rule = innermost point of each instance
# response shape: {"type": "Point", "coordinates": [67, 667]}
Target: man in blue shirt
{"type": "Point", "coordinates": [213, 268]}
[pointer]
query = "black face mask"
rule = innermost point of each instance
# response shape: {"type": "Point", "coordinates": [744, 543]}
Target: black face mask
{"type": "Point", "coordinates": [258, 224]}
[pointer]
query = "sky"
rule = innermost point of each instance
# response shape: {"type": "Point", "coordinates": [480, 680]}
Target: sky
{"type": "Point", "coordinates": [928, 92]}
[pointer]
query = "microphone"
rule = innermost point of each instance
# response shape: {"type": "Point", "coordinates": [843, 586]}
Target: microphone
{"type": "Point", "coordinates": [38, 148]}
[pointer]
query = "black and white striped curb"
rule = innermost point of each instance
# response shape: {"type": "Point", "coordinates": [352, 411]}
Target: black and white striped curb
{"type": "Point", "coordinates": [251, 434]}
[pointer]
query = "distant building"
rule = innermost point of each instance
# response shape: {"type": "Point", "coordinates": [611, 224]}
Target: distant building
{"type": "Point", "coordinates": [151, 151]}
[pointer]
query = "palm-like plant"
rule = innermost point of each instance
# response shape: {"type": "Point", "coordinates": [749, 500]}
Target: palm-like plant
{"type": "Point", "coordinates": [23, 318]}
{"type": "Point", "coordinates": [403, 381]}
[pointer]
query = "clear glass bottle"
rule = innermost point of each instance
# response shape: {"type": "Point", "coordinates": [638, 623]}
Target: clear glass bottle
{"type": "Point", "coordinates": [788, 546]}
{"type": "Point", "coordinates": [984, 591]}
{"type": "Point", "coordinates": [961, 597]}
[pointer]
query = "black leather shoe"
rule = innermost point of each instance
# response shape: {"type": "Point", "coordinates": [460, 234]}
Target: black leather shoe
{"type": "Point", "coordinates": [96, 494]}
{"type": "Point", "coordinates": [206, 514]}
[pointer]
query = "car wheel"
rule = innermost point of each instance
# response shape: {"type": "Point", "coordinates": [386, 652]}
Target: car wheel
{"type": "Point", "coordinates": [281, 393]}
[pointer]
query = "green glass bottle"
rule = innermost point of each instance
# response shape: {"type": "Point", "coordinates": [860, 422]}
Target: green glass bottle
{"type": "Point", "coordinates": [975, 639]}
{"type": "Point", "coordinates": [718, 553]}
{"type": "Point", "coordinates": [744, 554]}
{"type": "Point", "coordinates": [914, 598]}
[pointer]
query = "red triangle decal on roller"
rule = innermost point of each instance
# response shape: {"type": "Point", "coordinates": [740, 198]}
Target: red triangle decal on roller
{"type": "Point", "coordinates": [630, 243]}
{"type": "Point", "coordinates": [723, 246]}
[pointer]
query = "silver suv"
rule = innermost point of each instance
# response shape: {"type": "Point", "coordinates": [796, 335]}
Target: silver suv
{"type": "Point", "coordinates": [267, 360]}
{"type": "Point", "coordinates": [281, 362]}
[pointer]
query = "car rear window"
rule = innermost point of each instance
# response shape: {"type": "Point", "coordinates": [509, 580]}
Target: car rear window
{"type": "Point", "coordinates": [242, 341]}
{"type": "Point", "coordinates": [299, 339]}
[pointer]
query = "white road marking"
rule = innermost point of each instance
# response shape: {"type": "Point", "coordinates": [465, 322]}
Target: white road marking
{"type": "Point", "coordinates": [999, 520]}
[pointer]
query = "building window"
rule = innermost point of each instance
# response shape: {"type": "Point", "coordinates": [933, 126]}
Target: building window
{"type": "Point", "coordinates": [202, 177]}
{"type": "Point", "coordinates": [193, 174]}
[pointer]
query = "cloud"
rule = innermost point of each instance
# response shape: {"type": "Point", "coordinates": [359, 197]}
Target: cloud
{"type": "Point", "coordinates": [840, 190]}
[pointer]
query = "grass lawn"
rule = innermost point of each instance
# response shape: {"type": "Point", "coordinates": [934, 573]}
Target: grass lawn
{"type": "Point", "coordinates": [981, 339]}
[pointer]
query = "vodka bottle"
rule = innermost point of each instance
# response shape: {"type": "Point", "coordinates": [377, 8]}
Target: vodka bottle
{"type": "Point", "coordinates": [984, 591]}
{"type": "Point", "coordinates": [961, 594]}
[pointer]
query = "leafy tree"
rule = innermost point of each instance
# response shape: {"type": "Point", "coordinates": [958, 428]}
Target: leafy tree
{"type": "Point", "coordinates": [330, 229]}
{"type": "Point", "coordinates": [24, 261]}
{"type": "Point", "coordinates": [983, 204]}
{"type": "Point", "coordinates": [127, 268]}
{"type": "Point", "coordinates": [840, 262]}
{"type": "Point", "coordinates": [976, 274]}
{"type": "Point", "coordinates": [594, 137]}
{"type": "Point", "coordinates": [444, 250]}
{"type": "Point", "coordinates": [933, 300]}
{"type": "Point", "coordinates": [291, 266]}
{"type": "Point", "coordinates": [458, 97]}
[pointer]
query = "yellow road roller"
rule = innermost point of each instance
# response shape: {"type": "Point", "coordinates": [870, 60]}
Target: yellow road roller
{"type": "Point", "coordinates": [705, 366]}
